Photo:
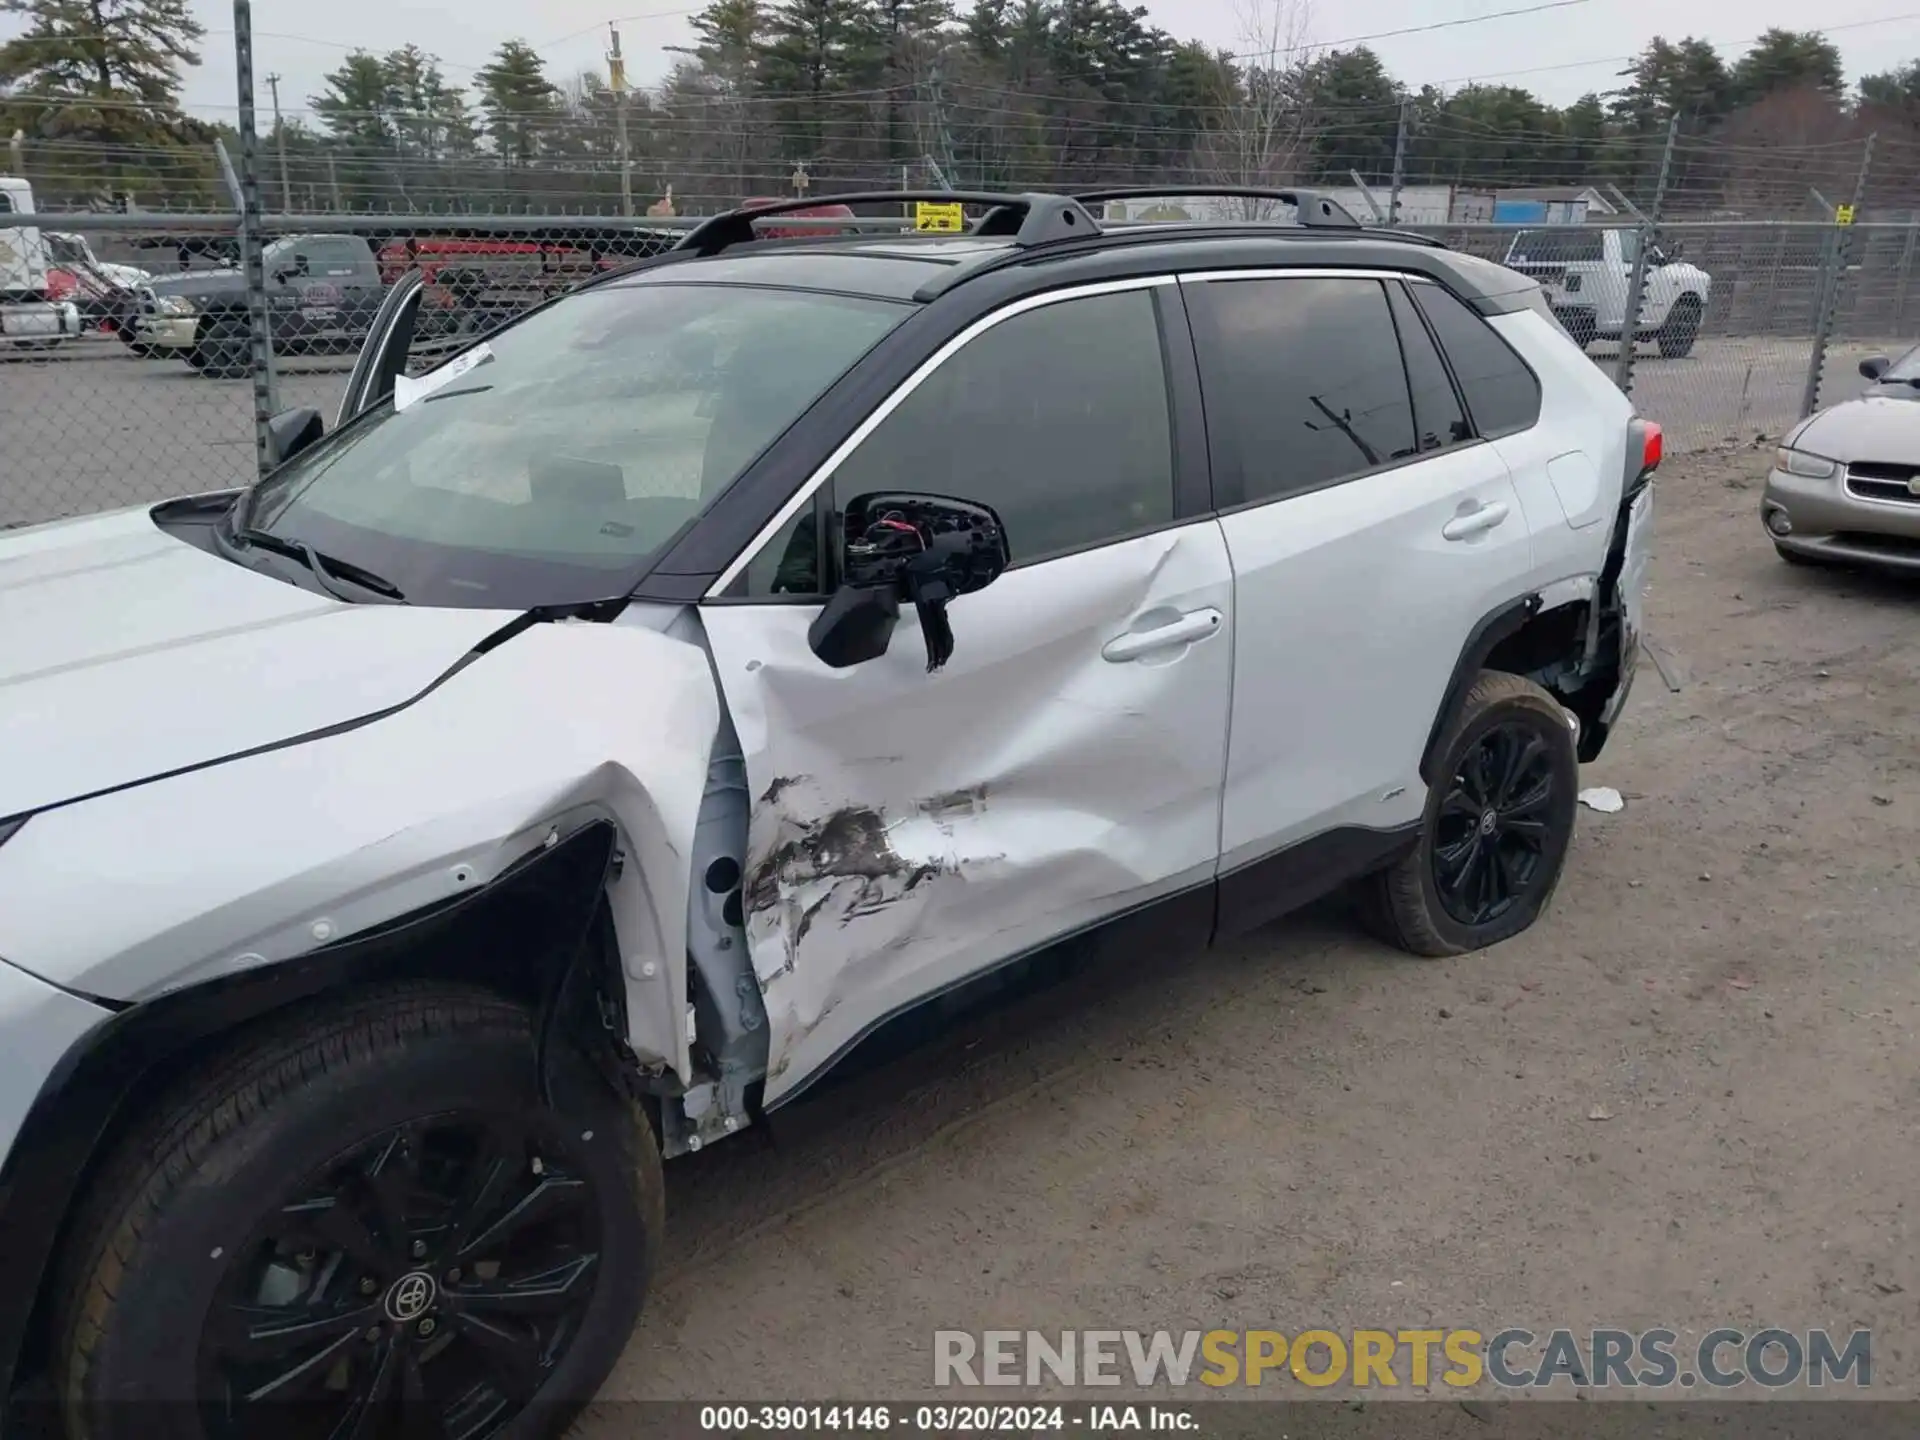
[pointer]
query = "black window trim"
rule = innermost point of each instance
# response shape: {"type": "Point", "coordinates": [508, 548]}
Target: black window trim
{"type": "Point", "coordinates": [1539, 390]}
{"type": "Point", "coordinates": [1192, 483]}
{"type": "Point", "coordinates": [1226, 458]}
{"type": "Point", "coordinates": [1446, 365]}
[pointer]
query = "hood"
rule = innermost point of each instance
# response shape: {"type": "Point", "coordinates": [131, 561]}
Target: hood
{"type": "Point", "coordinates": [127, 654]}
{"type": "Point", "coordinates": [1875, 427]}
{"type": "Point", "coordinates": [198, 282]}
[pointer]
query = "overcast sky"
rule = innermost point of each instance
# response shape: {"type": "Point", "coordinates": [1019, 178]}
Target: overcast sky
{"type": "Point", "coordinates": [1559, 54]}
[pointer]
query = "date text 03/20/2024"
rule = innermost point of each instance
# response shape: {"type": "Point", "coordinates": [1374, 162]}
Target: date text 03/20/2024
{"type": "Point", "coordinates": [945, 1419]}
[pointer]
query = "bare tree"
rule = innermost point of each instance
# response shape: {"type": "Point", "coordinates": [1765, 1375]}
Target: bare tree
{"type": "Point", "coordinates": [1264, 126]}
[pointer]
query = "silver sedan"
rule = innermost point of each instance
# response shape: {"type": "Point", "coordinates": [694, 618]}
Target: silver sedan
{"type": "Point", "coordinates": [1845, 484]}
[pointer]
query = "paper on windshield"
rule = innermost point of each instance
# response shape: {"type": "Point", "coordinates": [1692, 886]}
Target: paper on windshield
{"type": "Point", "coordinates": [408, 389]}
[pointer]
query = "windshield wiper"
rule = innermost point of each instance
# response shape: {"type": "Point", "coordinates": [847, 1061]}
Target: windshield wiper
{"type": "Point", "coordinates": [325, 568]}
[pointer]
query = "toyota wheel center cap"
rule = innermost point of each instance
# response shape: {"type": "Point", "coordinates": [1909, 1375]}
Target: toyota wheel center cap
{"type": "Point", "coordinates": [410, 1297]}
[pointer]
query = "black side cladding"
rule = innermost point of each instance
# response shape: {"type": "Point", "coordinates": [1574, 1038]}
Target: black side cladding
{"type": "Point", "coordinates": [1491, 630]}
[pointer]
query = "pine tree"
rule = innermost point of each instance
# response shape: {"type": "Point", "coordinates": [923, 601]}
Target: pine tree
{"type": "Point", "coordinates": [430, 117]}
{"type": "Point", "coordinates": [101, 70]}
{"type": "Point", "coordinates": [518, 101]}
{"type": "Point", "coordinates": [1788, 60]}
{"type": "Point", "coordinates": [360, 106]}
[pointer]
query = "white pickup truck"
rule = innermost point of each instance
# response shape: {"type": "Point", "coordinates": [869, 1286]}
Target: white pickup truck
{"type": "Point", "coordinates": [1586, 271]}
{"type": "Point", "coordinates": [29, 315]}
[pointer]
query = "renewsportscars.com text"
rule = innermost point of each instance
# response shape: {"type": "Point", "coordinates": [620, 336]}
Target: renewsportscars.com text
{"type": "Point", "coordinates": [1513, 1358]}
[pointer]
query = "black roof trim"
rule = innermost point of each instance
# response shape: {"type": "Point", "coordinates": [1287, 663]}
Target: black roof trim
{"type": "Point", "coordinates": [1027, 219]}
{"type": "Point", "coordinates": [1310, 207]}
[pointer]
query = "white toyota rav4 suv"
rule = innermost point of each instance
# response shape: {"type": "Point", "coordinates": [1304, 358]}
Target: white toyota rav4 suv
{"type": "Point", "coordinates": [568, 758]}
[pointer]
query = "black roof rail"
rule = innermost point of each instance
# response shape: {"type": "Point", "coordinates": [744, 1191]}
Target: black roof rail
{"type": "Point", "coordinates": [1310, 206]}
{"type": "Point", "coordinates": [1028, 219]}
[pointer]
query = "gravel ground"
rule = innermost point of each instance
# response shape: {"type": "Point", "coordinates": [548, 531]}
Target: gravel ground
{"type": "Point", "coordinates": [1306, 1129]}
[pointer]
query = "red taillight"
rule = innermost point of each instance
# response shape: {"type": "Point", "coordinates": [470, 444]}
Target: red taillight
{"type": "Point", "coordinates": [1651, 450]}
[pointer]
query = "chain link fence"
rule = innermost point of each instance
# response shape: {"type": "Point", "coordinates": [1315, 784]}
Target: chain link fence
{"type": "Point", "coordinates": [149, 391]}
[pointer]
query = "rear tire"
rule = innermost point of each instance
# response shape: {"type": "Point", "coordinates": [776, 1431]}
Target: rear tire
{"type": "Point", "coordinates": [222, 349]}
{"type": "Point", "coordinates": [1498, 824]}
{"type": "Point", "coordinates": [1681, 330]}
{"type": "Point", "coordinates": [382, 1174]}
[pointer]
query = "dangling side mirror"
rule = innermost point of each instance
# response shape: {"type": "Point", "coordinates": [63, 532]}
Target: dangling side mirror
{"type": "Point", "coordinates": [855, 626]}
{"type": "Point", "coordinates": [292, 431]}
{"type": "Point", "coordinates": [923, 549]}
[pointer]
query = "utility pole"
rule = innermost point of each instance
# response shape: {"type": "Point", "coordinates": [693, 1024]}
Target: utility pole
{"type": "Point", "coordinates": [280, 143]}
{"type": "Point", "coordinates": [1399, 160]}
{"type": "Point", "coordinates": [617, 77]}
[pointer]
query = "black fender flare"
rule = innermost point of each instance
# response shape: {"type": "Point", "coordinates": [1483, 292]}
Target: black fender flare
{"type": "Point", "coordinates": [1492, 628]}
{"type": "Point", "coordinates": [84, 1103]}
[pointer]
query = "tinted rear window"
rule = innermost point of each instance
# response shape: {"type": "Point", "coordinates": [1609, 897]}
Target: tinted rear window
{"type": "Point", "coordinates": [1502, 394]}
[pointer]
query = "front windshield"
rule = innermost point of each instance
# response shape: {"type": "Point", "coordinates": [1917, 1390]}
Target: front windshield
{"type": "Point", "coordinates": [551, 471]}
{"type": "Point", "coordinates": [1564, 245]}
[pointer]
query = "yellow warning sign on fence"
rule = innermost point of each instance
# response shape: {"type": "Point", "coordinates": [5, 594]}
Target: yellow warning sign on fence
{"type": "Point", "coordinates": [929, 215]}
{"type": "Point", "coordinates": [1843, 214]}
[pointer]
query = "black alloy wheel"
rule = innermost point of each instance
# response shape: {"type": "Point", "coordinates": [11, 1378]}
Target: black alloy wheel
{"type": "Point", "coordinates": [425, 1282]}
{"type": "Point", "coordinates": [1494, 824]}
{"type": "Point", "coordinates": [364, 1219]}
{"type": "Point", "coordinates": [1496, 828]}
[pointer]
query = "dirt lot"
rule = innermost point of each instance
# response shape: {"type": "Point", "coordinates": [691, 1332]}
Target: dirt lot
{"type": "Point", "coordinates": [1308, 1130]}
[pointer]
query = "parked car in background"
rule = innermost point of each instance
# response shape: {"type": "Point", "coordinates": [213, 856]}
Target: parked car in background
{"type": "Point", "coordinates": [810, 212]}
{"type": "Point", "coordinates": [1845, 483]}
{"type": "Point", "coordinates": [32, 315]}
{"type": "Point", "coordinates": [1586, 273]}
{"type": "Point", "coordinates": [474, 280]}
{"type": "Point", "coordinates": [322, 291]}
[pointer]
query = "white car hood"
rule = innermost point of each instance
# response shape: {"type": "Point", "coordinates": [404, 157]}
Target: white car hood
{"type": "Point", "coordinates": [127, 654]}
{"type": "Point", "coordinates": [1874, 427]}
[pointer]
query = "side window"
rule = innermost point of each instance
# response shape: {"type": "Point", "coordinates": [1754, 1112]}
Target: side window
{"type": "Point", "coordinates": [1304, 383]}
{"type": "Point", "coordinates": [6, 203]}
{"type": "Point", "coordinates": [1058, 418]}
{"type": "Point", "coordinates": [333, 257]}
{"type": "Point", "coordinates": [1503, 397]}
{"type": "Point", "coordinates": [1438, 420]}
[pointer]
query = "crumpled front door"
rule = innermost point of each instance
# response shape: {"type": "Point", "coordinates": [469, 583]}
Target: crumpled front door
{"type": "Point", "coordinates": [910, 829]}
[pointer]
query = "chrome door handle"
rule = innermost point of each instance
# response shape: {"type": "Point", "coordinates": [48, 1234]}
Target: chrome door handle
{"type": "Point", "coordinates": [1475, 522]}
{"type": "Point", "coordinates": [1181, 630]}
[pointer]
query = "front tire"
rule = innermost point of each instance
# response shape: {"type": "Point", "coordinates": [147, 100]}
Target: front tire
{"type": "Point", "coordinates": [1498, 824]}
{"type": "Point", "coordinates": [368, 1213]}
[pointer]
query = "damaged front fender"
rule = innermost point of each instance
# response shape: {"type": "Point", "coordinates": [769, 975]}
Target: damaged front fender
{"type": "Point", "coordinates": [265, 859]}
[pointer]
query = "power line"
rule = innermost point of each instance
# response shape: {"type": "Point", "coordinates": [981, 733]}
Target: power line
{"type": "Point", "coordinates": [1629, 59]}
{"type": "Point", "coordinates": [1407, 30]}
